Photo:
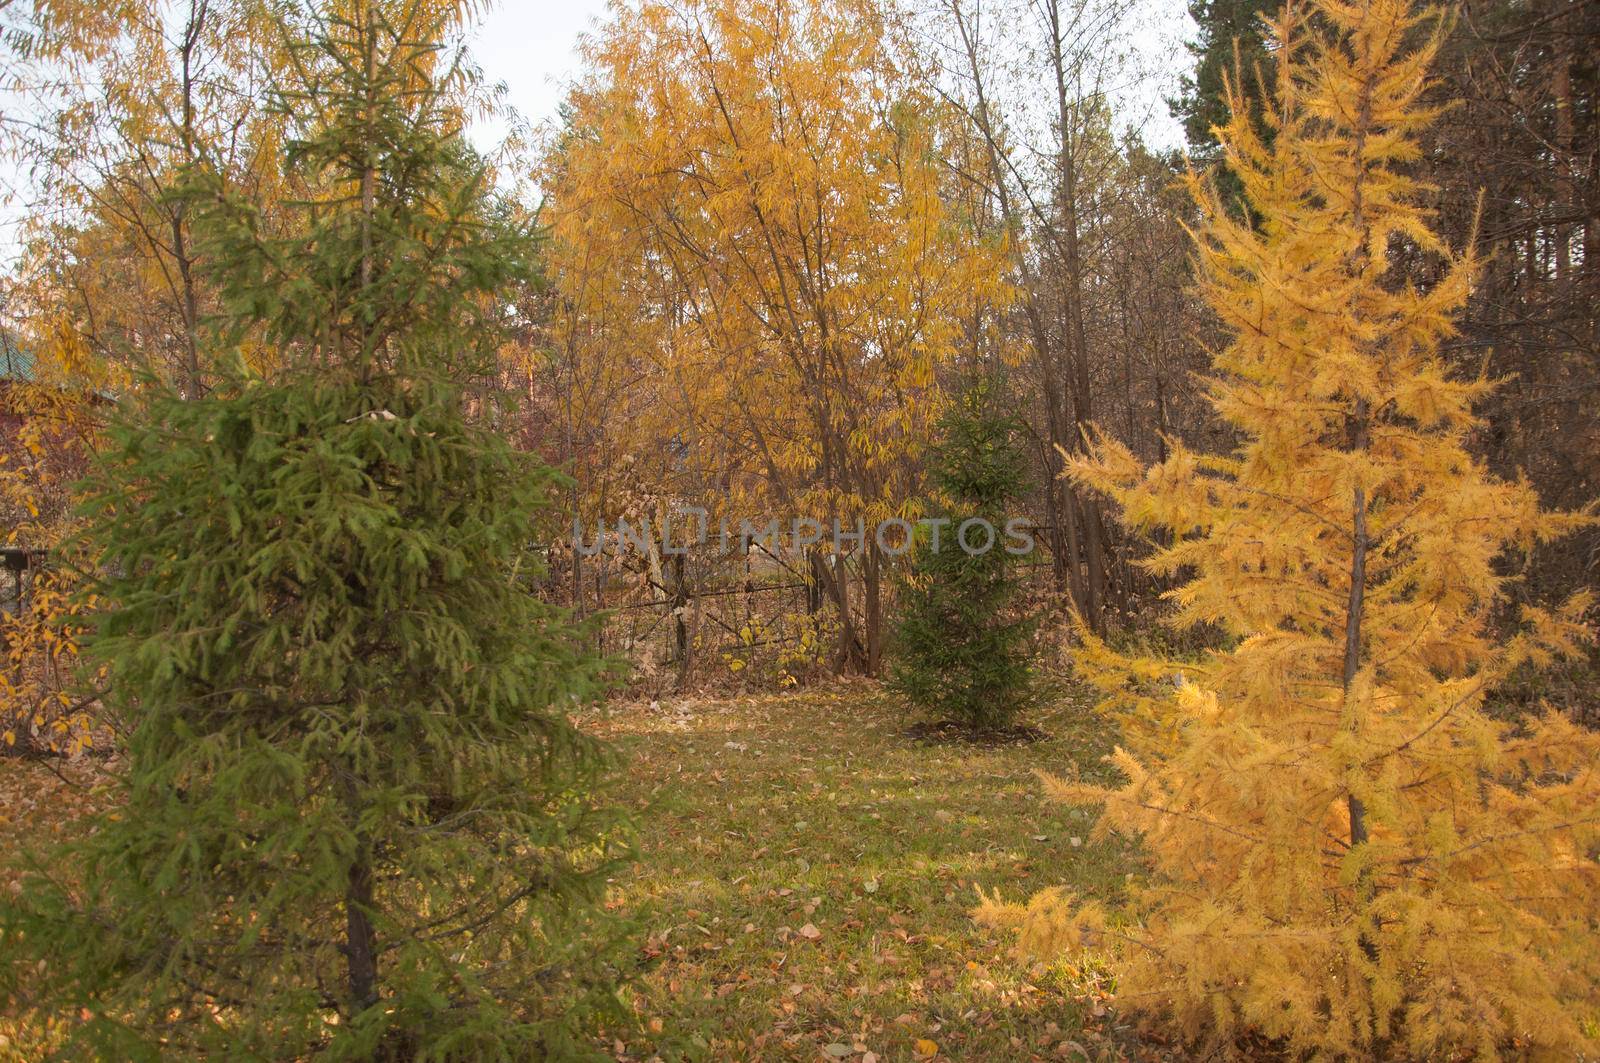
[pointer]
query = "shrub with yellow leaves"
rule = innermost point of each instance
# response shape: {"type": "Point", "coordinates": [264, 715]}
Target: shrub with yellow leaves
{"type": "Point", "coordinates": [1350, 858]}
{"type": "Point", "coordinates": [48, 404]}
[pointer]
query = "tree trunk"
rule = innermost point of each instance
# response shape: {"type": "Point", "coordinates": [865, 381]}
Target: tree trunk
{"type": "Point", "coordinates": [1063, 557]}
{"type": "Point", "coordinates": [852, 656]}
{"type": "Point", "coordinates": [193, 386]}
{"type": "Point", "coordinates": [680, 622]}
{"type": "Point", "coordinates": [361, 943]}
{"type": "Point", "coordinates": [360, 939]}
{"type": "Point", "coordinates": [872, 606]}
{"type": "Point", "coordinates": [1091, 607]}
{"type": "Point", "coordinates": [1352, 639]}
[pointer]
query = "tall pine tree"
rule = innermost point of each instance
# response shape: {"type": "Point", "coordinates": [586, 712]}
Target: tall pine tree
{"type": "Point", "coordinates": [355, 820]}
{"type": "Point", "coordinates": [961, 650]}
{"type": "Point", "coordinates": [1350, 857]}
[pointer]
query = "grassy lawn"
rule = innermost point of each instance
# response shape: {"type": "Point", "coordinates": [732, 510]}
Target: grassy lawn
{"type": "Point", "coordinates": [805, 877]}
{"type": "Point", "coordinates": [807, 872]}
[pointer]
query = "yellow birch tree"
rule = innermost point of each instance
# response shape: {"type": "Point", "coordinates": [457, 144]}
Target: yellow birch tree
{"type": "Point", "coordinates": [1349, 856]}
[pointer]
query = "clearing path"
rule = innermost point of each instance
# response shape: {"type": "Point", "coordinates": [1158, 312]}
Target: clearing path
{"type": "Point", "coordinates": [807, 870]}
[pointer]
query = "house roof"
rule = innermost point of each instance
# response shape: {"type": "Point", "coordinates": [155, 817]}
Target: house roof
{"type": "Point", "coordinates": [18, 365]}
{"type": "Point", "coordinates": [15, 363]}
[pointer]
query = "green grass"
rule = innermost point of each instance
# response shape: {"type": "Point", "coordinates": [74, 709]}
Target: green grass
{"type": "Point", "coordinates": [805, 880]}
{"type": "Point", "coordinates": [807, 873]}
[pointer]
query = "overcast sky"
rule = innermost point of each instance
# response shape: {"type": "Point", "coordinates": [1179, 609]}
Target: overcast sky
{"type": "Point", "coordinates": [532, 47]}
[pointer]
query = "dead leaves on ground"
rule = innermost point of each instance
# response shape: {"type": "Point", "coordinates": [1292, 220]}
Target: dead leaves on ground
{"type": "Point", "coordinates": [46, 797]}
{"type": "Point", "coordinates": [807, 870]}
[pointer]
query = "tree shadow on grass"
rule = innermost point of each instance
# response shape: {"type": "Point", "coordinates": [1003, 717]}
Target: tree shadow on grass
{"type": "Point", "coordinates": [951, 732]}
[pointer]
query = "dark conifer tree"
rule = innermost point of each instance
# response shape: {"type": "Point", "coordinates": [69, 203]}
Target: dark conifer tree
{"type": "Point", "coordinates": [961, 646]}
{"type": "Point", "coordinates": [1228, 32]}
{"type": "Point", "coordinates": [355, 820]}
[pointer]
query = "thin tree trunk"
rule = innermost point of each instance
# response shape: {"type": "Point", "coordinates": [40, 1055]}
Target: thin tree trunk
{"type": "Point", "coordinates": [872, 606]}
{"type": "Point", "coordinates": [192, 383]}
{"type": "Point", "coordinates": [369, 172]}
{"type": "Point", "coordinates": [1352, 631]}
{"type": "Point", "coordinates": [680, 622]}
{"type": "Point", "coordinates": [361, 943]}
{"type": "Point", "coordinates": [1357, 439]}
{"type": "Point", "coordinates": [1352, 659]}
{"type": "Point", "coordinates": [1566, 141]}
{"type": "Point", "coordinates": [1063, 558]}
{"type": "Point", "coordinates": [360, 939]}
{"type": "Point", "coordinates": [361, 947]}
{"type": "Point", "coordinates": [1074, 329]}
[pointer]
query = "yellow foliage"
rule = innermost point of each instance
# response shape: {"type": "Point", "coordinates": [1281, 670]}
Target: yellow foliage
{"type": "Point", "coordinates": [56, 421]}
{"type": "Point", "coordinates": [750, 232]}
{"type": "Point", "coordinates": [1053, 921]}
{"type": "Point", "coordinates": [1350, 857]}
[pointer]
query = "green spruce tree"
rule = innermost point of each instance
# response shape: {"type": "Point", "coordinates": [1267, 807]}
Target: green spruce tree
{"type": "Point", "coordinates": [961, 648]}
{"type": "Point", "coordinates": [1229, 44]}
{"type": "Point", "coordinates": [355, 820]}
{"type": "Point", "coordinates": [1230, 53]}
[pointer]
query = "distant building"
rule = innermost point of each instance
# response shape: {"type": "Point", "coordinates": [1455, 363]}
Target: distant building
{"type": "Point", "coordinates": [56, 456]}
{"type": "Point", "coordinates": [16, 367]}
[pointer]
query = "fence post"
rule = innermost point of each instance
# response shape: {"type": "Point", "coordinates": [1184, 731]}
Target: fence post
{"type": "Point", "coordinates": [680, 603]}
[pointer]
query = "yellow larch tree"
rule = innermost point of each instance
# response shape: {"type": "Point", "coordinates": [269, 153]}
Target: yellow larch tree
{"type": "Point", "coordinates": [1350, 857]}
{"type": "Point", "coordinates": [748, 203]}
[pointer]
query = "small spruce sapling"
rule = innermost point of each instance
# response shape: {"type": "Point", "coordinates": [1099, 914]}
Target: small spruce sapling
{"type": "Point", "coordinates": [961, 647]}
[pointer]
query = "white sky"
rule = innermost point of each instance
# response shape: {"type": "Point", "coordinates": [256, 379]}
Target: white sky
{"type": "Point", "coordinates": [531, 46]}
